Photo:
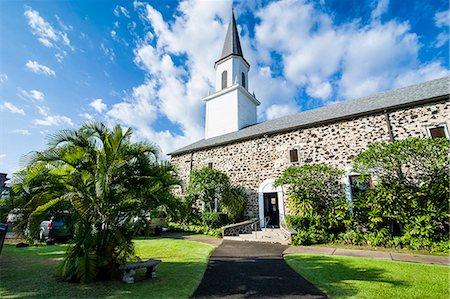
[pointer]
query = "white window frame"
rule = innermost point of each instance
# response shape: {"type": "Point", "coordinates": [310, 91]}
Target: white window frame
{"type": "Point", "coordinates": [447, 135]}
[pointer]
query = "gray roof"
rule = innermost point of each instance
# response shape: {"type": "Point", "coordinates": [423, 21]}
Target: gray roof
{"type": "Point", "coordinates": [403, 97]}
{"type": "Point", "coordinates": [232, 45]}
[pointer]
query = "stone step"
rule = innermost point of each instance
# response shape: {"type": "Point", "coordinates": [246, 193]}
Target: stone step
{"type": "Point", "coordinates": [268, 235]}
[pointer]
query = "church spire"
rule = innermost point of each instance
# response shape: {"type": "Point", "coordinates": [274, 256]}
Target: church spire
{"type": "Point", "coordinates": [232, 45]}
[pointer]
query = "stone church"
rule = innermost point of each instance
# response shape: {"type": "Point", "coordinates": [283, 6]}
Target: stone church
{"type": "Point", "coordinates": [254, 154]}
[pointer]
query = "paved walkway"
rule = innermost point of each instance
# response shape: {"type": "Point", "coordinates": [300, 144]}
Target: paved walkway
{"type": "Point", "coordinates": [249, 269]}
{"type": "Point", "coordinates": [381, 255]}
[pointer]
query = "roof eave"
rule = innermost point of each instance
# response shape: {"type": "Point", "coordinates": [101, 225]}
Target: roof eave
{"type": "Point", "coordinates": [321, 122]}
{"type": "Point", "coordinates": [229, 55]}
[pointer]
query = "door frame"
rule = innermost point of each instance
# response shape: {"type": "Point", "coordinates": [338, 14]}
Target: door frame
{"type": "Point", "coordinates": [274, 218]}
{"type": "Point", "coordinates": [267, 187]}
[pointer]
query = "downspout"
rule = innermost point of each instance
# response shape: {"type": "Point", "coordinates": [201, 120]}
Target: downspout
{"type": "Point", "coordinates": [191, 162]}
{"type": "Point", "coordinates": [399, 168]}
{"type": "Point", "coordinates": [389, 126]}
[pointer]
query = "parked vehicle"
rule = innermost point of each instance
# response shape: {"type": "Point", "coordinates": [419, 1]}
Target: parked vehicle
{"type": "Point", "coordinates": [55, 229]}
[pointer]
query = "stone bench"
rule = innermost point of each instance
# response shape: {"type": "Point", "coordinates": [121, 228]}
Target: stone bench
{"type": "Point", "coordinates": [129, 269]}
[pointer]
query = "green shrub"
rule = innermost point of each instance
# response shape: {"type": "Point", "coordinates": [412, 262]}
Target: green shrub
{"type": "Point", "coordinates": [208, 186]}
{"type": "Point", "coordinates": [233, 203]}
{"type": "Point", "coordinates": [319, 210]}
{"type": "Point", "coordinates": [212, 187]}
{"type": "Point", "coordinates": [214, 219]}
{"type": "Point", "coordinates": [192, 228]}
{"type": "Point", "coordinates": [410, 196]}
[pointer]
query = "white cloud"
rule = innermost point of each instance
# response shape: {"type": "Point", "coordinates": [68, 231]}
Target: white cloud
{"type": "Point", "coordinates": [120, 9]}
{"type": "Point", "coordinates": [328, 60]}
{"type": "Point", "coordinates": [381, 8]}
{"type": "Point", "coordinates": [37, 68]}
{"type": "Point", "coordinates": [375, 56]}
{"type": "Point", "coordinates": [307, 60]}
{"type": "Point", "coordinates": [276, 111]}
{"type": "Point", "coordinates": [87, 116]}
{"type": "Point", "coordinates": [21, 132]}
{"type": "Point", "coordinates": [113, 34]}
{"type": "Point", "coordinates": [3, 78]}
{"type": "Point", "coordinates": [124, 11]}
{"type": "Point", "coordinates": [441, 39]}
{"type": "Point", "coordinates": [62, 24]}
{"type": "Point", "coordinates": [319, 90]}
{"type": "Point", "coordinates": [109, 52]}
{"type": "Point", "coordinates": [441, 18]}
{"type": "Point", "coordinates": [12, 108]}
{"type": "Point", "coordinates": [49, 119]}
{"type": "Point", "coordinates": [139, 111]}
{"type": "Point", "coordinates": [2, 156]}
{"type": "Point", "coordinates": [425, 72]}
{"type": "Point", "coordinates": [53, 120]}
{"type": "Point", "coordinates": [43, 110]}
{"type": "Point", "coordinates": [45, 33]}
{"type": "Point", "coordinates": [34, 95]}
{"type": "Point", "coordinates": [98, 105]}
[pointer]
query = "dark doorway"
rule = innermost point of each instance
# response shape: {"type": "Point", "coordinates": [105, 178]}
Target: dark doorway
{"type": "Point", "coordinates": [271, 209]}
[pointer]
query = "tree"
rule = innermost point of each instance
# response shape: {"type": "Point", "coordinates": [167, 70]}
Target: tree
{"type": "Point", "coordinates": [208, 186]}
{"type": "Point", "coordinates": [213, 188]}
{"type": "Point", "coordinates": [312, 188]}
{"type": "Point", "coordinates": [104, 179]}
{"type": "Point", "coordinates": [411, 187]}
{"type": "Point", "coordinates": [318, 208]}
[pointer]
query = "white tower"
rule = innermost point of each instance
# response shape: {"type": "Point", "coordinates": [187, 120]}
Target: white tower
{"type": "Point", "coordinates": [231, 107]}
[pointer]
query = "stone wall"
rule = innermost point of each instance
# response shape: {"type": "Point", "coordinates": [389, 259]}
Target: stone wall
{"type": "Point", "coordinates": [248, 163]}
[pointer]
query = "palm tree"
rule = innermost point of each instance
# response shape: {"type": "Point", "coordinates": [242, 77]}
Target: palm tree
{"type": "Point", "coordinates": [107, 180]}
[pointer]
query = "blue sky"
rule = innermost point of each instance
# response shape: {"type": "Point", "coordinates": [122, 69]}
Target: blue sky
{"type": "Point", "coordinates": [147, 65]}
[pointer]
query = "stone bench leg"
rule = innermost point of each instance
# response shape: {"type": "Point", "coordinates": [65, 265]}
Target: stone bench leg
{"type": "Point", "coordinates": [128, 276]}
{"type": "Point", "coordinates": [151, 272]}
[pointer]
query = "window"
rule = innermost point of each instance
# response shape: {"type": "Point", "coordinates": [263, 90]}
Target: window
{"type": "Point", "coordinates": [439, 131]}
{"type": "Point", "coordinates": [243, 80]}
{"type": "Point", "coordinates": [358, 185]}
{"type": "Point", "coordinates": [210, 165]}
{"type": "Point", "coordinates": [224, 79]}
{"type": "Point", "coordinates": [293, 155]}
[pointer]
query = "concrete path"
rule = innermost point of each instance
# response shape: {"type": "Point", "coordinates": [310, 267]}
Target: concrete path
{"type": "Point", "coordinates": [381, 255]}
{"type": "Point", "coordinates": [249, 269]}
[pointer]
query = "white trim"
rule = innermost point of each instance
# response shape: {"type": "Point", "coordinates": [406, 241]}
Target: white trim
{"type": "Point", "coordinates": [230, 89]}
{"type": "Point", "coordinates": [348, 187]}
{"type": "Point", "coordinates": [428, 127]}
{"type": "Point", "coordinates": [267, 187]}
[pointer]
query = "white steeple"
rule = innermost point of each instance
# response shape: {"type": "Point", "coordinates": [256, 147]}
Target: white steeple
{"type": "Point", "coordinates": [231, 107]}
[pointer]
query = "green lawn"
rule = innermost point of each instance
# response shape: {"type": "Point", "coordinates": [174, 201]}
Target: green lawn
{"type": "Point", "coordinates": [349, 277]}
{"type": "Point", "coordinates": [29, 272]}
{"type": "Point", "coordinates": [379, 248]}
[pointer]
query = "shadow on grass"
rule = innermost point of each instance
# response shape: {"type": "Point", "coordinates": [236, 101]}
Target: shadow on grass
{"type": "Point", "coordinates": [338, 276]}
{"type": "Point", "coordinates": [29, 273]}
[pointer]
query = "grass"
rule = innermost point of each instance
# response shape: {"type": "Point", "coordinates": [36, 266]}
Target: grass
{"type": "Point", "coordinates": [378, 248]}
{"type": "Point", "coordinates": [350, 277]}
{"type": "Point", "coordinates": [29, 272]}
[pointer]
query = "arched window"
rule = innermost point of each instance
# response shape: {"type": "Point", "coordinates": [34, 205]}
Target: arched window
{"type": "Point", "coordinates": [224, 79]}
{"type": "Point", "coordinates": [243, 80]}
